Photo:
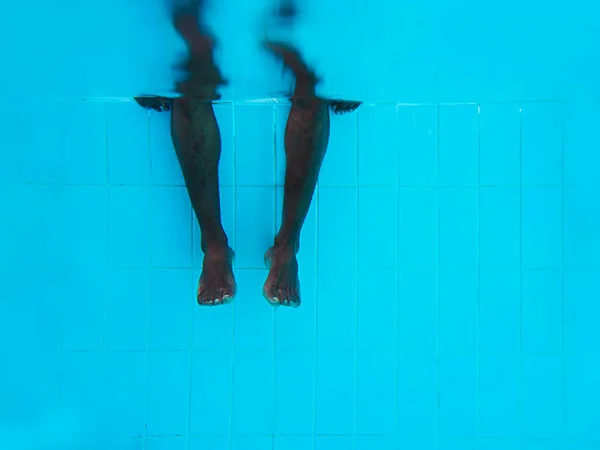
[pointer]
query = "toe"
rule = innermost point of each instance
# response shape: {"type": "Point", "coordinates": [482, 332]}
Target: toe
{"type": "Point", "coordinates": [226, 296]}
{"type": "Point", "coordinates": [288, 297]}
{"type": "Point", "coordinates": [214, 297]}
{"type": "Point", "coordinates": [270, 294]}
{"type": "Point", "coordinates": [283, 296]}
{"type": "Point", "coordinates": [294, 300]}
{"type": "Point", "coordinates": [204, 299]}
{"type": "Point", "coordinates": [207, 296]}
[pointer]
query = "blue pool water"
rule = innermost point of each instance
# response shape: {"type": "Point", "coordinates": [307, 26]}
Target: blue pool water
{"type": "Point", "coordinates": [449, 265]}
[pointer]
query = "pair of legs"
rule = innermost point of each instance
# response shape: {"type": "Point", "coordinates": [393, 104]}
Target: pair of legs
{"type": "Point", "coordinates": [197, 142]}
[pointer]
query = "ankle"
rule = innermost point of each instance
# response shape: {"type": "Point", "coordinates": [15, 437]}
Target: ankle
{"type": "Point", "coordinates": [286, 245]}
{"type": "Point", "coordinates": [217, 251]}
{"type": "Point", "coordinates": [215, 244]}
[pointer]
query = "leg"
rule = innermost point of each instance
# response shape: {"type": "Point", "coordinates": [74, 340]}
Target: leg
{"type": "Point", "coordinates": [197, 141]}
{"type": "Point", "coordinates": [306, 138]}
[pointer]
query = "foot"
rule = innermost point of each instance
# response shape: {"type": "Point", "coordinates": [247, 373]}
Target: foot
{"type": "Point", "coordinates": [155, 103]}
{"type": "Point", "coordinates": [217, 283]}
{"type": "Point", "coordinates": [282, 286]}
{"type": "Point", "coordinates": [344, 106]}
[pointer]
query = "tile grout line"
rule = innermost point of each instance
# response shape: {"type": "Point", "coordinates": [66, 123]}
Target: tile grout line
{"type": "Point", "coordinates": [149, 131]}
{"type": "Point", "coordinates": [593, 442]}
{"type": "Point", "coordinates": [397, 353]}
{"type": "Point", "coordinates": [266, 101]}
{"type": "Point", "coordinates": [274, 311]}
{"type": "Point", "coordinates": [372, 435]}
{"type": "Point", "coordinates": [191, 359]}
{"type": "Point", "coordinates": [59, 363]}
{"type": "Point", "coordinates": [59, 355]}
{"type": "Point", "coordinates": [329, 186]}
{"type": "Point", "coordinates": [562, 278]}
{"type": "Point", "coordinates": [108, 241]}
{"type": "Point", "coordinates": [316, 287]}
{"type": "Point", "coordinates": [520, 312]}
{"type": "Point", "coordinates": [192, 321]}
{"type": "Point", "coordinates": [158, 267]}
{"type": "Point", "coordinates": [326, 351]}
{"type": "Point", "coordinates": [479, 277]}
{"type": "Point", "coordinates": [230, 434]}
{"type": "Point", "coordinates": [357, 282]}
{"type": "Point", "coordinates": [437, 293]}
{"type": "Point", "coordinates": [357, 272]}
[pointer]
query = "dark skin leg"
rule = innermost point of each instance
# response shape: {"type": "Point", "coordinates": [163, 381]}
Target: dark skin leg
{"type": "Point", "coordinates": [197, 142]}
{"type": "Point", "coordinates": [306, 139]}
